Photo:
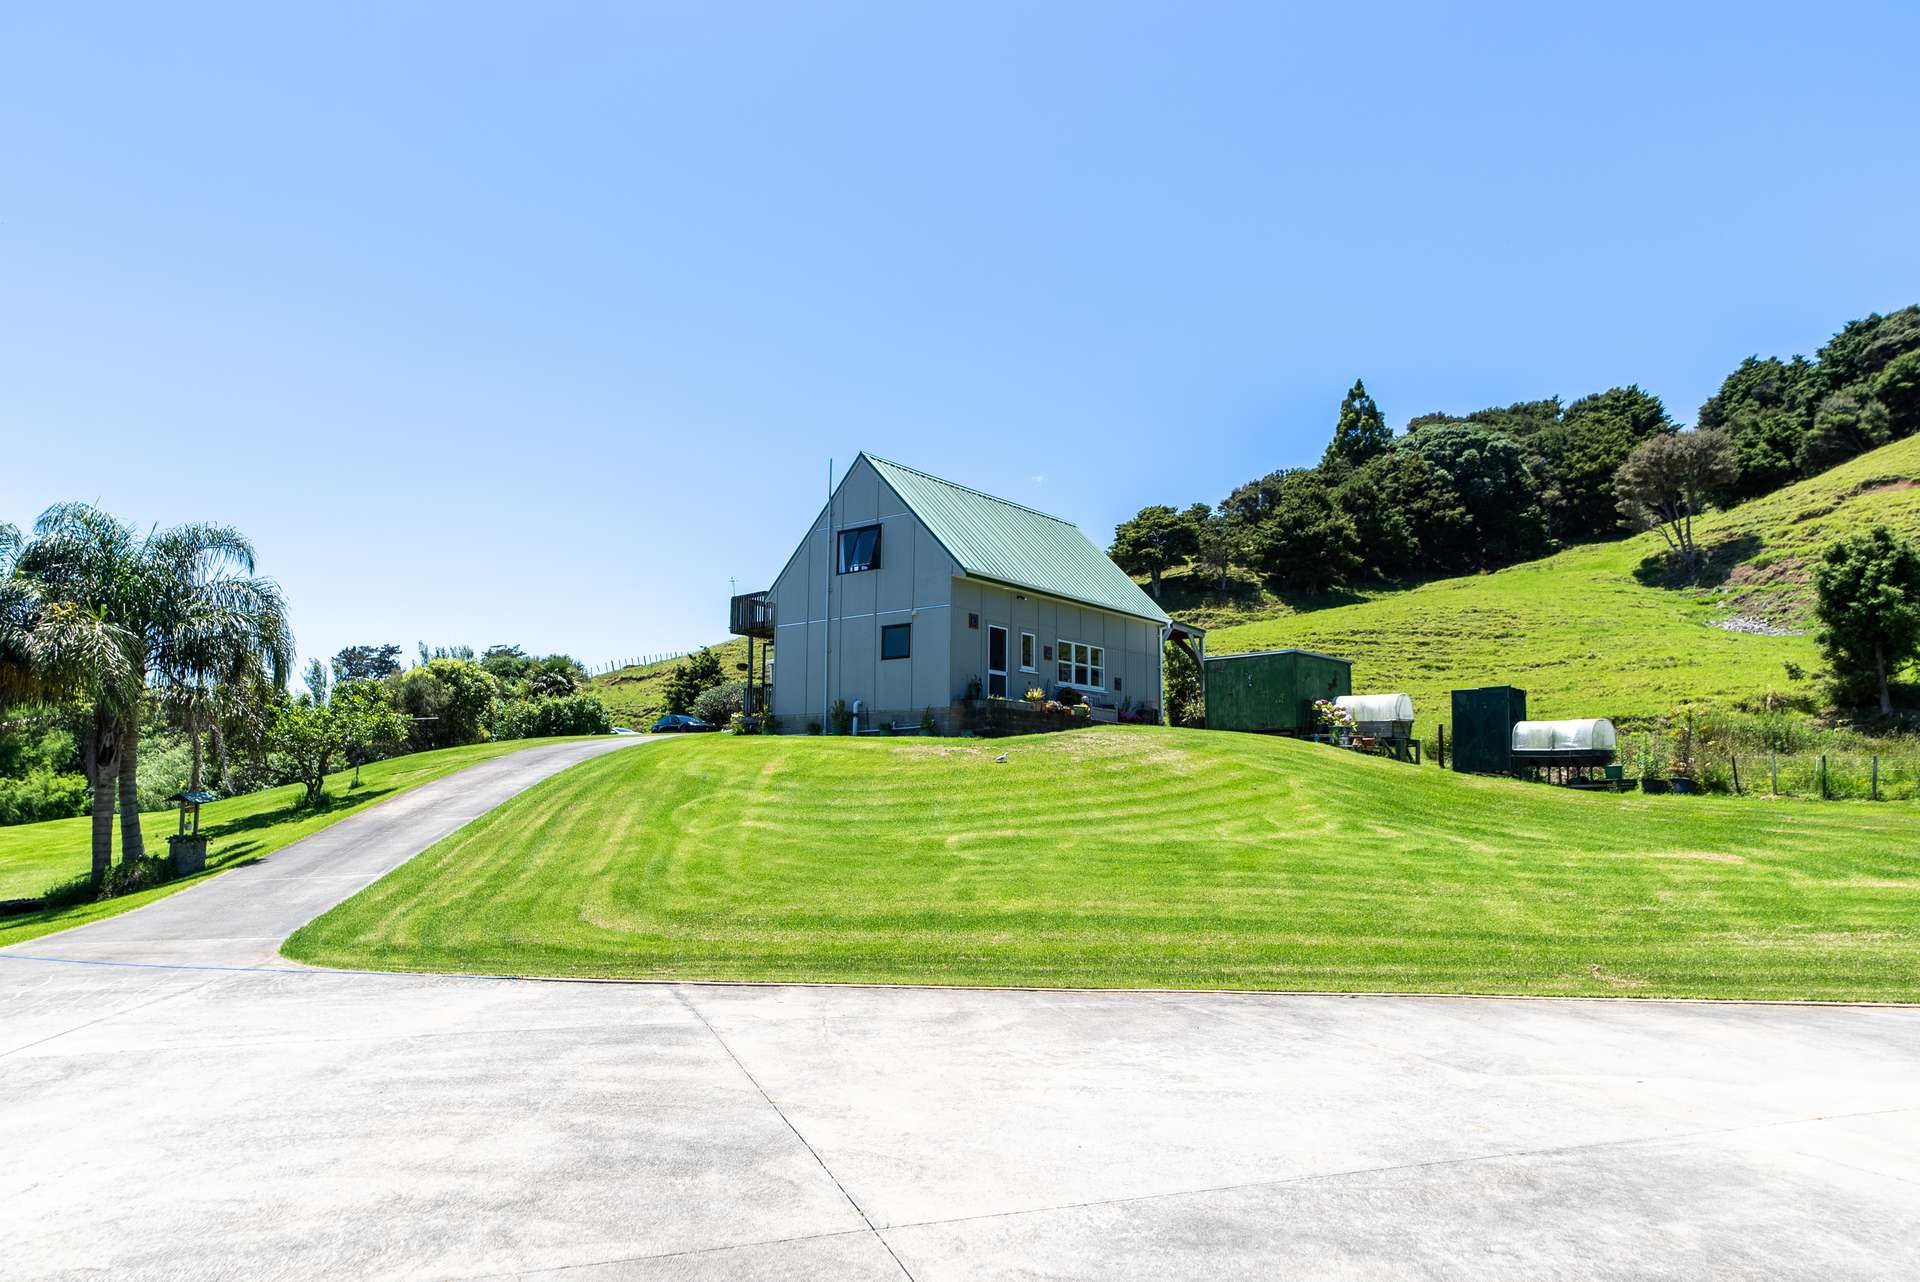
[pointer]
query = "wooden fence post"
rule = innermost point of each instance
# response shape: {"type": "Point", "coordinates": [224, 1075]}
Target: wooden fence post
{"type": "Point", "coordinates": [1736, 772]}
{"type": "Point", "coordinates": [1443, 746]}
{"type": "Point", "coordinates": [1876, 776]}
{"type": "Point", "coordinates": [1773, 765]}
{"type": "Point", "coordinates": [1823, 777]}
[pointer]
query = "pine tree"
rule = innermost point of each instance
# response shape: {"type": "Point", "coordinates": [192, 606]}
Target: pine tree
{"type": "Point", "coordinates": [1360, 434]}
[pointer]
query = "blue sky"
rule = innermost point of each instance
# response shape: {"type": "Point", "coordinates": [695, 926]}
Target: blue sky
{"type": "Point", "coordinates": [536, 324]}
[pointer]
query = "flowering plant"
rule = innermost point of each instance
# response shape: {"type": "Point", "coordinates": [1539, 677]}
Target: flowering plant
{"type": "Point", "coordinates": [1036, 695]}
{"type": "Point", "coordinates": [1332, 715]}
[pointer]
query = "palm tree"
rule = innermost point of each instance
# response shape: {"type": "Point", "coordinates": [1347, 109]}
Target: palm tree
{"type": "Point", "coordinates": [52, 650]}
{"type": "Point", "coordinates": [221, 629]}
{"type": "Point", "coordinates": [189, 611]}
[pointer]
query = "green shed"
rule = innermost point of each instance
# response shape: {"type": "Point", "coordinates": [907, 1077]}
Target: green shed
{"type": "Point", "coordinates": [1272, 691]}
{"type": "Point", "coordinates": [1483, 722]}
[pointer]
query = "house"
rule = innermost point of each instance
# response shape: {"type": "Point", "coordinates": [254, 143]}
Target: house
{"type": "Point", "coordinates": [912, 594]}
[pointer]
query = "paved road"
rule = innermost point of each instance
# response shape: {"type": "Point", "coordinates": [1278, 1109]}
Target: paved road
{"type": "Point", "coordinates": [161, 1118]}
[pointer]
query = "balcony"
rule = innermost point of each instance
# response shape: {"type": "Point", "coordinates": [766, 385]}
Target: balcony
{"type": "Point", "coordinates": [751, 615]}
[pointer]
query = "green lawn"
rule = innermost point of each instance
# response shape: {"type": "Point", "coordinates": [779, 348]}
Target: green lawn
{"type": "Point", "coordinates": [1150, 857]}
{"type": "Point", "coordinates": [1585, 637]}
{"type": "Point", "coordinates": [35, 857]}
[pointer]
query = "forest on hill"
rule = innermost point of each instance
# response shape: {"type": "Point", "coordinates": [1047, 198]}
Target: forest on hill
{"type": "Point", "coordinates": [1462, 493]}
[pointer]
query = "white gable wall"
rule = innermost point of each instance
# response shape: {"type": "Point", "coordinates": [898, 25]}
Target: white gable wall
{"type": "Point", "coordinates": [913, 585]}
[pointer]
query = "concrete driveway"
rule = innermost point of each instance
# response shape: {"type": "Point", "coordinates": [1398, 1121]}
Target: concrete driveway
{"type": "Point", "coordinates": [163, 1117]}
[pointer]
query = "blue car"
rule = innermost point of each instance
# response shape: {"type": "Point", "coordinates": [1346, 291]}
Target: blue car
{"type": "Point", "coordinates": [679, 723]}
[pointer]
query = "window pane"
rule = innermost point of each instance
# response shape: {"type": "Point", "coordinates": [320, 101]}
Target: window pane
{"type": "Point", "coordinates": [1099, 658]}
{"type": "Point", "coordinates": [859, 549]}
{"type": "Point", "coordinates": [1066, 672]}
{"type": "Point", "coordinates": [1026, 649]}
{"type": "Point", "coordinates": [1080, 674]}
{"type": "Point", "coordinates": [896, 641]}
{"type": "Point", "coordinates": [1097, 682]}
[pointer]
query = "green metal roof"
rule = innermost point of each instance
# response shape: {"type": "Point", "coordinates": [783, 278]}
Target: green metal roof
{"type": "Point", "coordinates": [1007, 543]}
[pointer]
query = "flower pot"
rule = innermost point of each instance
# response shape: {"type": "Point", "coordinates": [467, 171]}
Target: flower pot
{"type": "Point", "coordinates": [1681, 784]}
{"type": "Point", "coordinates": [1651, 784]}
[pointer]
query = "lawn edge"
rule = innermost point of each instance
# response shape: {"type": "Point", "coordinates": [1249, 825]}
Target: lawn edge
{"type": "Point", "coordinates": [1332, 993]}
{"type": "Point", "coordinates": [182, 884]}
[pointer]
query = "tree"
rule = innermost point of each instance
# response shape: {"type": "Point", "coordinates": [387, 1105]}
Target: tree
{"type": "Point", "coordinates": [1156, 539]}
{"type": "Point", "coordinates": [1868, 604]}
{"type": "Point", "coordinates": [1897, 388]}
{"type": "Point", "coordinates": [1855, 356]}
{"type": "Point", "coordinates": [49, 650]}
{"type": "Point", "coordinates": [366, 663]}
{"type": "Point", "coordinates": [1306, 543]}
{"type": "Point", "coordinates": [368, 721]}
{"type": "Point", "coordinates": [449, 701]}
{"type": "Point", "coordinates": [1360, 434]}
{"type": "Point", "coordinates": [305, 738]}
{"type": "Point", "coordinates": [1374, 497]}
{"type": "Point", "coordinates": [184, 600]}
{"type": "Point", "coordinates": [506, 662]}
{"type": "Point", "coordinates": [1216, 542]}
{"type": "Point", "coordinates": [1470, 497]}
{"type": "Point", "coordinates": [1580, 454]}
{"type": "Point", "coordinates": [697, 672]}
{"type": "Point", "coordinates": [1669, 480]}
{"type": "Point", "coordinates": [1845, 424]}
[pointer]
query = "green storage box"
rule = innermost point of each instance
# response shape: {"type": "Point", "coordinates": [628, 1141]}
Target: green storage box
{"type": "Point", "coordinates": [1272, 691]}
{"type": "Point", "coordinates": [1482, 730]}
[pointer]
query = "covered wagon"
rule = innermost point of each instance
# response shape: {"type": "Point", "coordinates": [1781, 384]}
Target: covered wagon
{"type": "Point", "coordinates": [1563, 748]}
{"type": "Point", "coordinates": [1384, 716]}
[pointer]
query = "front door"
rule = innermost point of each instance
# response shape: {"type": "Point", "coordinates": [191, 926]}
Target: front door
{"type": "Point", "coordinates": [996, 662]}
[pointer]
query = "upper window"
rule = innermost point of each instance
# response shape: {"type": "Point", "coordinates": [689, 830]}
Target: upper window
{"type": "Point", "coordinates": [1026, 652]}
{"type": "Point", "coordinates": [1082, 665]}
{"type": "Point", "coordinates": [896, 641]}
{"type": "Point", "coordinates": [860, 549]}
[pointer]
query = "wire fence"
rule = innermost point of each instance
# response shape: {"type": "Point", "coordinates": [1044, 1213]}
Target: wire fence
{"type": "Point", "coordinates": [1832, 775]}
{"type": "Point", "coordinates": [638, 661]}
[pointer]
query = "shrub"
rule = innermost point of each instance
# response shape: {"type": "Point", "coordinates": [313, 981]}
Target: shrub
{"type": "Point", "coordinates": [927, 723]}
{"type": "Point", "coordinates": [840, 717]}
{"type": "Point", "coordinates": [717, 705]}
{"type": "Point", "coordinates": [543, 718]}
{"type": "Point", "coordinates": [140, 874]}
{"type": "Point", "coordinates": [43, 794]}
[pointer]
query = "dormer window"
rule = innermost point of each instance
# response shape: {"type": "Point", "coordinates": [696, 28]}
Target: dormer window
{"type": "Point", "coordinates": [860, 549]}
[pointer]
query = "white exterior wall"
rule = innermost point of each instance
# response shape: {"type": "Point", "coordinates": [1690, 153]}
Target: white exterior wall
{"type": "Point", "coordinates": [919, 583]}
{"type": "Point", "coordinates": [913, 585]}
{"type": "Point", "coordinates": [1132, 645]}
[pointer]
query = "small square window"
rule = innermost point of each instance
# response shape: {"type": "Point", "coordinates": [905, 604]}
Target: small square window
{"type": "Point", "coordinates": [1116, 685]}
{"type": "Point", "coordinates": [896, 641]}
{"type": "Point", "coordinates": [1026, 652]}
{"type": "Point", "coordinates": [1046, 652]}
{"type": "Point", "coordinates": [860, 549]}
{"type": "Point", "coordinates": [973, 621]}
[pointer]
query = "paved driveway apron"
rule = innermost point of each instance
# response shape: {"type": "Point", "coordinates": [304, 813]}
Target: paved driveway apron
{"type": "Point", "coordinates": [177, 1100]}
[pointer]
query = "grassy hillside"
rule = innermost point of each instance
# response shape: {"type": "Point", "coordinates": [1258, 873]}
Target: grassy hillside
{"type": "Point", "coordinates": [36, 857]}
{"type": "Point", "coordinates": [1143, 856]}
{"type": "Point", "coordinates": [636, 696]}
{"type": "Point", "coordinates": [1589, 632]}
